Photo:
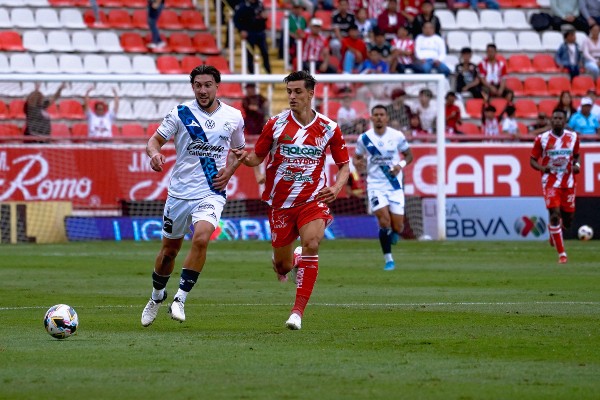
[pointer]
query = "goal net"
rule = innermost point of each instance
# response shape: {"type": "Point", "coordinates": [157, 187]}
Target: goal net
{"type": "Point", "coordinates": [68, 186]}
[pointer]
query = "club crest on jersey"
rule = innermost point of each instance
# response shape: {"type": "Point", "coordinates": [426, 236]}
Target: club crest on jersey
{"type": "Point", "coordinates": [227, 127]}
{"type": "Point", "coordinates": [210, 124]}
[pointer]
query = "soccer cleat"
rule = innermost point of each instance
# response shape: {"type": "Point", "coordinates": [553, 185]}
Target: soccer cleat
{"type": "Point", "coordinates": [281, 278]}
{"type": "Point", "coordinates": [294, 322]}
{"type": "Point", "coordinates": [151, 311]}
{"type": "Point", "coordinates": [389, 266]}
{"type": "Point", "coordinates": [176, 310]}
{"type": "Point", "coordinates": [562, 258]}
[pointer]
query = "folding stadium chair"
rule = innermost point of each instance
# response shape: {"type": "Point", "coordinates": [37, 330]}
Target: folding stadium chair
{"type": "Point", "coordinates": [47, 18]}
{"type": "Point", "coordinates": [46, 64]}
{"type": "Point", "coordinates": [557, 84]}
{"type": "Point", "coordinates": [519, 63]}
{"type": "Point", "coordinates": [529, 41]}
{"type": "Point", "coordinates": [526, 108]}
{"type": "Point", "coordinates": [132, 131]}
{"type": "Point", "coordinates": [491, 19]}
{"type": "Point", "coordinates": [59, 41]}
{"type": "Point", "coordinates": [469, 128]}
{"type": "Point", "coordinates": [71, 19]}
{"type": "Point", "coordinates": [192, 20]}
{"type": "Point", "coordinates": [514, 84]}
{"type": "Point", "coordinates": [139, 19]}
{"type": "Point", "coordinates": [23, 18]}
{"type": "Point", "coordinates": [581, 84]}
{"type": "Point", "coordinates": [133, 42]}
{"type": "Point", "coordinates": [35, 41]}
{"type": "Point", "coordinates": [467, 19]}
{"type": "Point", "coordinates": [70, 109]}
{"type": "Point", "coordinates": [120, 64]}
{"type": "Point", "coordinates": [231, 90]}
{"type": "Point", "coordinates": [181, 43]}
{"type": "Point", "coordinates": [168, 65]}
{"type": "Point", "coordinates": [119, 19]}
{"type": "Point", "coordinates": [544, 63]}
{"type": "Point", "coordinates": [219, 63]}
{"type": "Point", "coordinates": [3, 110]}
{"type": "Point", "coordinates": [84, 42]}
{"type": "Point", "coordinates": [169, 19]}
{"type": "Point", "coordinates": [143, 64]}
{"type": "Point", "coordinates": [95, 64]}
{"type": "Point", "coordinates": [22, 63]}
{"type": "Point", "coordinates": [206, 43]}
{"type": "Point", "coordinates": [516, 19]}
{"type": "Point", "coordinates": [11, 41]}
{"type": "Point", "coordinates": [535, 86]}
{"type": "Point", "coordinates": [188, 63]}
{"type": "Point", "coordinates": [108, 42]}
{"type": "Point", "coordinates": [547, 106]}
{"type": "Point", "coordinates": [16, 109]}
{"type": "Point", "coordinates": [60, 130]}
{"type": "Point", "coordinates": [474, 107]}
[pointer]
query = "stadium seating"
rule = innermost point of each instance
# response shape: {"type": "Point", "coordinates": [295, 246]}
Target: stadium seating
{"type": "Point", "coordinates": [506, 42]}
{"type": "Point", "coordinates": [544, 63]}
{"type": "Point", "coordinates": [499, 103]}
{"type": "Point", "coordinates": [47, 18]}
{"type": "Point", "coordinates": [35, 41]}
{"type": "Point", "coordinates": [158, 89]}
{"type": "Point", "coordinates": [557, 84]}
{"type": "Point", "coordinates": [218, 62]}
{"type": "Point", "coordinates": [71, 19]}
{"type": "Point", "coordinates": [516, 19]}
{"type": "Point", "coordinates": [581, 84]}
{"type": "Point", "coordinates": [525, 108]}
{"type": "Point", "coordinates": [491, 19]}
{"type": "Point", "coordinates": [205, 43]}
{"type": "Point", "coordinates": [5, 21]}
{"type": "Point", "coordinates": [95, 64]}
{"type": "Point", "coordinates": [70, 109]}
{"type": "Point", "coordinates": [529, 41]}
{"type": "Point", "coordinates": [188, 63]}
{"type": "Point", "coordinates": [46, 63]}
{"type": "Point", "coordinates": [480, 40]}
{"type": "Point", "coordinates": [169, 19]}
{"type": "Point", "coordinates": [119, 19]}
{"type": "Point", "coordinates": [16, 109]}
{"type": "Point", "coordinates": [469, 128]}
{"type": "Point", "coordinates": [192, 20]}
{"type": "Point", "coordinates": [181, 43]}
{"type": "Point", "coordinates": [474, 107]}
{"type": "Point", "coordinates": [3, 110]}
{"type": "Point", "coordinates": [84, 42]}
{"type": "Point", "coordinates": [11, 41]}
{"type": "Point", "coordinates": [519, 63]}
{"type": "Point", "coordinates": [467, 19]}
{"type": "Point", "coordinates": [132, 131]}
{"type": "Point", "coordinates": [60, 130]}
{"type": "Point", "coordinates": [168, 65]}
{"type": "Point", "coordinates": [11, 130]}
{"type": "Point", "coordinates": [23, 18]}
{"type": "Point", "coordinates": [151, 128]}
{"type": "Point", "coordinates": [551, 40]}
{"type": "Point", "coordinates": [457, 40]}
{"type": "Point", "coordinates": [133, 42]}
{"type": "Point", "coordinates": [547, 106]}
{"type": "Point", "coordinates": [515, 85]}
{"type": "Point", "coordinates": [59, 41]}
{"type": "Point", "coordinates": [535, 86]}
{"type": "Point", "coordinates": [120, 64]}
{"type": "Point", "coordinates": [108, 42]}
{"type": "Point", "coordinates": [22, 62]}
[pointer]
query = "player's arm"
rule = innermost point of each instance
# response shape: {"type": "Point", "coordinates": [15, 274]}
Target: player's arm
{"type": "Point", "coordinates": [157, 159]}
{"type": "Point", "coordinates": [329, 193]}
{"type": "Point", "coordinates": [250, 159]}
{"type": "Point", "coordinates": [234, 160]}
{"type": "Point", "coordinates": [536, 153]}
{"type": "Point", "coordinates": [537, 166]}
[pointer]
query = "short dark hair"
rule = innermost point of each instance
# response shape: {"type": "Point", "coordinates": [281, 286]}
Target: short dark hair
{"type": "Point", "coordinates": [569, 32]}
{"type": "Point", "coordinates": [309, 80]}
{"type": "Point", "coordinates": [559, 110]}
{"type": "Point", "coordinates": [466, 50]}
{"type": "Point", "coordinates": [491, 46]}
{"type": "Point", "coordinates": [510, 110]}
{"type": "Point", "coordinates": [375, 107]}
{"type": "Point", "coordinates": [489, 108]}
{"type": "Point", "coordinates": [205, 70]}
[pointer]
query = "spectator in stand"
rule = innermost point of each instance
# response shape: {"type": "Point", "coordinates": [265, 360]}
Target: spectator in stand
{"type": "Point", "coordinates": [509, 122]}
{"type": "Point", "coordinates": [584, 122]}
{"type": "Point", "coordinates": [452, 113]}
{"type": "Point", "coordinates": [491, 4]}
{"type": "Point", "coordinates": [375, 8]}
{"type": "Point", "coordinates": [354, 51]}
{"type": "Point", "coordinates": [155, 8]}
{"type": "Point", "coordinates": [256, 110]}
{"type": "Point", "coordinates": [403, 52]}
{"type": "Point", "coordinates": [426, 15]}
{"type": "Point", "coordinates": [590, 10]}
{"type": "Point", "coordinates": [305, 4]}
{"type": "Point", "coordinates": [297, 24]}
{"type": "Point", "coordinates": [375, 64]}
{"type": "Point", "coordinates": [467, 75]}
{"type": "Point", "coordinates": [591, 93]}
{"type": "Point", "coordinates": [346, 116]}
{"type": "Point", "coordinates": [426, 110]}
{"type": "Point", "coordinates": [100, 117]}
{"type": "Point", "coordinates": [540, 125]}
{"type": "Point", "coordinates": [492, 71]}
{"type": "Point", "coordinates": [430, 52]}
{"type": "Point", "coordinates": [341, 21]}
{"type": "Point", "coordinates": [250, 20]}
{"type": "Point", "coordinates": [509, 96]}
{"type": "Point", "coordinates": [322, 5]}
{"type": "Point", "coordinates": [490, 125]}
{"type": "Point", "coordinates": [568, 55]}
{"type": "Point", "coordinates": [365, 25]}
{"type": "Point", "coordinates": [390, 20]}
{"type": "Point", "coordinates": [565, 103]}
{"type": "Point", "coordinates": [591, 51]}
{"type": "Point", "coordinates": [37, 119]}
{"type": "Point", "coordinates": [398, 111]}
{"type": "Point", "coordinates": [316, 48]}
{"type": "Point", "coordinates": [96, 11]}
{"type": "Point", "coordinates": [566, 12]}
{"type": "Point", "coordinates": [415, 127]}
{"type": "Point", "coordinates": [381, 45]}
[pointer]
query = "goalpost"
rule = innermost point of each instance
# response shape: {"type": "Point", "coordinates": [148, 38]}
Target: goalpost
{"type": "Point", "coordinates": [70, 173]}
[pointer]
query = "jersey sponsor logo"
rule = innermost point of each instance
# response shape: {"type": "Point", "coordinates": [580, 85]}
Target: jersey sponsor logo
{"type": "Point", "coordinates": [193, 123]}
{"type": "Point", "coordinates": [280, 221]}
{"type": "Point", "coordinates": [302, 161]}
{"type": "Point", "coordinates": [225, 138]}
{"type": "Point", "coordinates": [204, 149]}
{"type": "Point", "coordinates": [300, 150]}
{"type": "Point", "coordinates": [296, 176]}
{"type": "Point", "coordinates": [227, 127]}
{"type": "Point", "coordinates": [560, 152]}
{"type": "Point", "coordinates": [210, 124]}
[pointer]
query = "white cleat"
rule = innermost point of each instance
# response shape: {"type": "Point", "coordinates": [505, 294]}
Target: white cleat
{"type": "Point", "coordinates": [151, 311]}
{"type": "Point", "coordinates": [176, 310]}
{"type": "Point", "coordinates": [294, 322]}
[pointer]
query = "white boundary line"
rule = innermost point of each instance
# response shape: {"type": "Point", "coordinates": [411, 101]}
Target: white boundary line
{"type": "Point", "coordinates": [341, 305]}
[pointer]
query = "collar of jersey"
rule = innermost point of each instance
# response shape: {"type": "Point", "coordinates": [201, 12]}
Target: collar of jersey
{"type": "Point", "coordinates": [307, 125]}
{"type": "Point", "coordinates": [206, 112]}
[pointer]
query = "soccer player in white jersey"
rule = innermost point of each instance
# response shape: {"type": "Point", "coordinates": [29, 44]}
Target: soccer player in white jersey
{"type": "Point", "coordinates": [558, 150]}
{"type": "Point", "coordinates": [204, 130]}
{"type": "Point", "coordinates": [296, 186]}
{"type": "Point", "coordinates": [378, 150]}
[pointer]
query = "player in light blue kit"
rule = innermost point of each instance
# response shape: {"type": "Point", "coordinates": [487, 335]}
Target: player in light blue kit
{"type": "Point", "coordinates": [204, 130]}
{"type": "Point", "coordinates": [378, 150]}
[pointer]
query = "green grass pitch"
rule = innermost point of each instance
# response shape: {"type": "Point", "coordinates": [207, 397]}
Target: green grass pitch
{"type": "Point", "coordinates": [455, 320]}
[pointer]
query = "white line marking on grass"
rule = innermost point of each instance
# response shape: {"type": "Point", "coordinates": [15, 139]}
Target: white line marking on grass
{"type": "Point", "coordinates": [344, 305]}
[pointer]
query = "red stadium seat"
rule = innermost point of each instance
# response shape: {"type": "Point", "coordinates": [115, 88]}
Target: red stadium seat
{"type": "Point", "coordinates": [206, 43]}
{"type": "Point", "coordinates": [499, 103]}
{"type": "Point", "coordinates": [544, 63]}
{"type": "Point", "coordinates": [469, 128]}
{"type": "Point", "coordinates": [60, 130]}
{"type": "Point", "coordinates": [16, 109]}
{"type": "Point", "coordinates": [514, 84]}
{"type": "Point", "coordinates": [188, 63]}
{"type": "Point", "coordinates": [133, 43]}
{"type": "Point", "coordinates": [79, 130]}
{"type": "Point", "coordinates": [11, 130]}
{"type": "Point", "coordinates": [68, 3]}
{"type": "Point", "coordinates": [169, 20]}
{"type": "Point", "coordinates": [137, 4]}
{"type": "Point", "coordinates": [132, 131]}
{"type": "Point", "coordinates": [70, 109]}
{"type": "Point", "coordinates": [581, 84]}
{"type": "Point", "coordinates": [474, 107]}
{"type": "Point", "coordinates": [179, 4]}
{"type": "Point", "coordinates": [111, 3]}
{"type": "Point", "coordinates": [519, 63]}
{"type": "Point", "coordinates": [230, 89]}
{"type": "Point", "coordinates": [526, 108]}
{"type": "Point", "coordinates": [333, 108]}
{"type": "Point", "coordinates": [279, 16]}
{"type": "Point", "coordinates": [3, 110]}
{"type": "Point", "coordinates": [168, 65]}
{"type": "Point", "coordinates": [151, 128]}
{"type": "Point", "coordinates": [192, 19]}
{"type": "Point", "coordinates": [163, 49]}
{"type": "Point", "coordinates": [90, 19]}
{"type": "Point", "coordinates": [53, 111]}
{"type": "Point", "coordinates": [181, 43]}
{"type": "Point", "coordinates": [139, 19]}
{"type": "Point", "coordinates": [325, 16]}
{"type": "Point", "coordinates": [547, 106]}
{"type": "Point", "coordinates": [557, 84]}
{"type": "Point", "coordinates": [535, 86]}
{"type": "Point", "coordinates": [119, 19]}
{"type": "Point", "coordinates": [219, 63]}
{"type": "Point", "coordinates": [522, 128]}
{"type": "Point", "coordinates": [11, 41]}
{"type": "Point", "coordinates": [362, 110]}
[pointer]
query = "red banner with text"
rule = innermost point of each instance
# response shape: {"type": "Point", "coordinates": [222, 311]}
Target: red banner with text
{"type": "Point", "coordinates": [102, 175]}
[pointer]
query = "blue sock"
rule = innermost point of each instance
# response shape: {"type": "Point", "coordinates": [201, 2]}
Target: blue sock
{"type": "Point", "coordinates": [385, 239]}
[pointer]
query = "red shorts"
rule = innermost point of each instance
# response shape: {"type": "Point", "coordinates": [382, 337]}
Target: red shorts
{"type": "Point", "coordinates": [286, 222]}
{"type": "Point", "coordinates": [560, 198]}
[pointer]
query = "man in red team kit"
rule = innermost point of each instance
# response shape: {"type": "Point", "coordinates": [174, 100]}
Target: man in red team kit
{"type": "Point", "coordinates": [559, 150]}
{"type": "Point", "coordinates": [296, 185]}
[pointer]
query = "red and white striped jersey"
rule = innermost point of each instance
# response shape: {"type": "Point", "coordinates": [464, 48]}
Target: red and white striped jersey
{"type": "Point", "coordinates": [406, 44]}
{"type": "Point", "coordinates": [376, 7]}
{"type": "Point", "coordinates": [492, 71]}
{"type": "Point", "coordinates": [313, 47]}
{"type": "Point", "coordinates": [295, 170]}
{"type": "Point", "coordinates": [558, 153]}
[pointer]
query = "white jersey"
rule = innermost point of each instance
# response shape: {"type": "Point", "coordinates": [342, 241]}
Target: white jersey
{"type": "Point", "coordinates": [202, 143]}
{"type": "Point", "coordinates": [382, 153]}
{"type": "Point", "coordinates": [100, 127]}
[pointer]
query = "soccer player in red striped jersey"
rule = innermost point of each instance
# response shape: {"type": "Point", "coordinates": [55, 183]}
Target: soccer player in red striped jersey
{"type": "Point", "coordinates": [558, 149]}
{"type": "Point", "coordinates": [296, 186]}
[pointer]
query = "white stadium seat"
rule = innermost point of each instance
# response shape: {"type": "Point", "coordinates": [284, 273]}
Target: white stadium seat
{"type": "Point", "coordinates": [95, 64]}
{"type": "Point", "coordinates": [13, 3]}
{"type": "Point", "coordinates": [451, 61]}
{"type": "Point", "coordinates": [59, 41]}
{"type": "Point", "coordinates": [165, 106]}
{"type": "Point", "coordinates": [580, 37]}
{"type": "Point", "coordinates": [144, 65]}
{"type": "Point", "coordinates": [105, 89]}
{"type": "Point", "coordinates": [4, 65]}
{"type": "Point", "coordinates": [119, 64]}
{"type": "Point", "coordinates": [145, 110]}
{"type": "Point", "coordinates": [457, 40]}
{"type": "Point", "coordinates": [5, 21]}
{"type": "Point", "coordinates": [70, 64]}
{"type": "Point", "coordinates": [179, 89]}
{"type": "Point", "coordinates": [108, 42]}
{"type": "Point", "coordinates": [506, 41]}
{"type": "Point", "coordinates": [12, 89]}
{"type": "Point", "coordinates": [22, 18]}
{"type": "Point", "coordinates": [46, 64]}
{"type": "Point", "coordinates": [157, 89]}
{"type": "Point", "coordinates": [467, 19]}
{"type": "Point", "coordinates": [76, 89]}
{"type": "Point", "coordinates": [35, 41]}
{"type": "Point", "coordinates": [447, 19]}
{"type": "Point", "coordinates": [84, 42]}
{"type": "Point", "coordinates": [72, 18]}
{"type": "Point", "coordinates": [36, 3]}
{"type": "Point", "coordinates": [516, 19]}
{"type": "Point", "coordinates": [47, 18]}
{"type": "Point", "coordinates": [543, 3]}
{"type": "Point", "coordinates": [133, 89]}
{"type": "Point", "coordinates": [480, 40]}
{"type": "Point", "coordinates": [491, 19]}
{"type": "Point", "coordinates": [529, 41]}
{"type": "Point", "coordinates": [551, 40]}
{"type": "Point", "coordinates": [22, 63]}
{"type": "Point", "coordinates": [125, 110]}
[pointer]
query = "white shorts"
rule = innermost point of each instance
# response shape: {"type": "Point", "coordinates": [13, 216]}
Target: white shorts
{"type": "Point", "coordinates": [180, 214]}
{"type": "Point", "coordinates": [382, 198]}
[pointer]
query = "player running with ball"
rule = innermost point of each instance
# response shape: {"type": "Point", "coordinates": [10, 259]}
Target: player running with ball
{"type": "Point", "coordinates": [296, 186]}
{"type": "Point", "coordinates": [378, 149]}
{"type": "Point", "coordinates": [559, 150]}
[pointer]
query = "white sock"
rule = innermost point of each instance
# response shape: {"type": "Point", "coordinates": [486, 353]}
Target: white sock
{"type": "Point", "coordinates": [181, 295]}
{"type": "Point", "coordinates": [158, 294]}
{"type": "Point", "coordinates": [388, 257]}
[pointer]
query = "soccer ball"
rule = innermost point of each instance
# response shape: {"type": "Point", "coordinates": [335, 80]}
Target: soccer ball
{"type": "Point", "coordinates": [61, 321]}
{"type": "Point", "coordinates": [585, 232]}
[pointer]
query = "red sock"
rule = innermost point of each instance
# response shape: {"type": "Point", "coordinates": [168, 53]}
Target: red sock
{"type": "Point", "coordinates": [305, 282]}
{"type": "Point", "coordinates": [556, 234]}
